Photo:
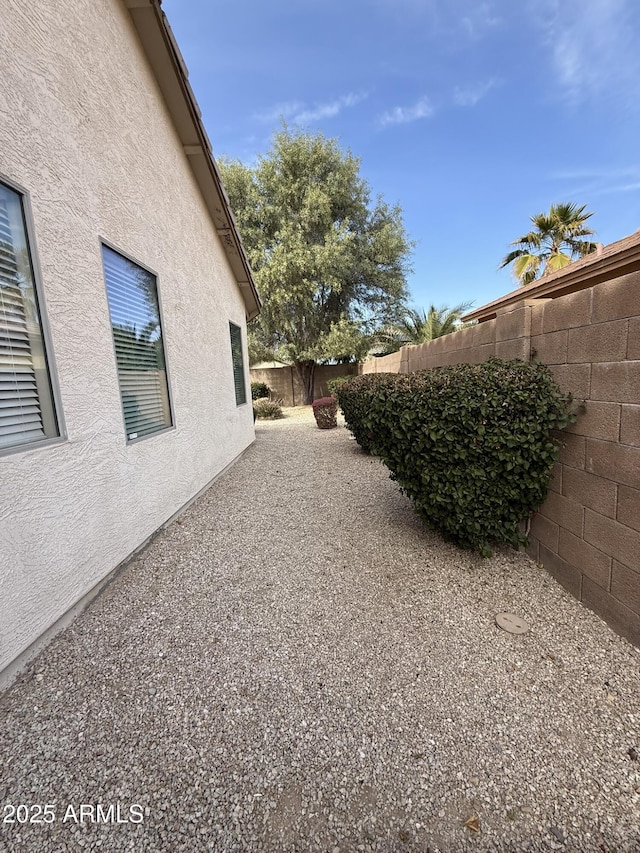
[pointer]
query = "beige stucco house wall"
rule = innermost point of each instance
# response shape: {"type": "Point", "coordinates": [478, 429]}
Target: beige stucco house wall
{"type": "Point", "coordinates": [100, 132]}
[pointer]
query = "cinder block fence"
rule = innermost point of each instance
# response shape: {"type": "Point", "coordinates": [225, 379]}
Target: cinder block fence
{"type": "Point", "coordinates": [285, 384]}
{"type": "Point", "coordinates": [584, 322]}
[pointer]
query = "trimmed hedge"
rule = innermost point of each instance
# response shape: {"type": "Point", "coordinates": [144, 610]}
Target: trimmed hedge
{"type": "Point", "coordinates": [336, 382]}
{"type": "Point", "coordinates": [471, 445]}
{"type": "Point", "coordinates": [356, 398]}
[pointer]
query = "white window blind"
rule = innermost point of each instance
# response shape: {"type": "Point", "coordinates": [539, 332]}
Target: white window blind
{"type": "Point", "coordinates": [137, 334]}
{"type": "Point", "coordinates": [238, 364]}
{"type": "Point", "coordinates": [26, 402]}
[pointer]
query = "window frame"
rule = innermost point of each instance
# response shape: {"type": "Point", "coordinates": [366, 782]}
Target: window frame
{"type": "Point", "coordinates": [233, 325]}
{"type": "Point", "coordinates": [172, 427]}
{"type": "Point", "coordinates": [45, 328]}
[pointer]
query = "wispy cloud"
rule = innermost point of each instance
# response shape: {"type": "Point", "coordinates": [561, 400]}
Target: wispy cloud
{"type": "Point", "coordinates": [593, 46]}
{"type": "Point", "coordinates": [468, 96]}
{"type": "Point", "coordinates": [404, 115]}
{"type": "Point", "coordinates": [329, 109]}
{"type": "Point", "coordinates": [281, 110]}
{"type": "Point", "coordinates": [297, 112]}
{"type": "Point", "coordinates": [623, 188]}
{"type": "Point", "coordinates": [441, 18]}
{"type": "Point", "coordinates": [599, 181]}
{"type": "Point", "coordinates": [479, 19]}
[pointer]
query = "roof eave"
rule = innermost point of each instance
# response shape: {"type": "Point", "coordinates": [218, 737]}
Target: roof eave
{"type": "Point", "coordinates": [170, 71]}
{"type": "Point", "coordinates": [593, 269]}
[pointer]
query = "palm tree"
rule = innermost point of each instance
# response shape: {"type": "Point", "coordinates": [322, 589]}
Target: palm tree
{"type": "Point", "coordinates": [419, 326]}
{"type": "Point", "coordinates": [554, 244]}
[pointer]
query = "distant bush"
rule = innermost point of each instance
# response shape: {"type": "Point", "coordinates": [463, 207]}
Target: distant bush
{"type": "Point", "coordinates": [259, 390]}
{"type": "Point", "coordinates": [325, 411]}
{"type": "Point", "coordinates": [267, 410]}
{"type": "Point", "coordinates": [471, 445]}
{"type": "Point", "coordinates": [336, 382]}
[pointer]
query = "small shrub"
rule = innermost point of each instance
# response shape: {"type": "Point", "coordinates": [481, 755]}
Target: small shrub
{"type": "Point", "coordinates": [267, 410]}
{"type": "Point", "coordinates": [335, 383]}
{"type": "Point", "coordinates": [260, 390]}
{"type": "Point", "coordinates": [471, 445]}
{"type": "Point", "coordinates": [325, 411]}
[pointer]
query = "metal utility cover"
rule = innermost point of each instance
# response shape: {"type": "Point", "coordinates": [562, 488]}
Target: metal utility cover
{"type": "Point", "coordinates": [511, 623]}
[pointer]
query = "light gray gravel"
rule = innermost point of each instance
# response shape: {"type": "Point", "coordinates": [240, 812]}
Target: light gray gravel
{"type": "Point", "coordinates": [298, 665]}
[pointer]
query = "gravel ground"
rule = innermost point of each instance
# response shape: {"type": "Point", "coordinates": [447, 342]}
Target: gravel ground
{"type": "Point", "coordinates": [297, 665]}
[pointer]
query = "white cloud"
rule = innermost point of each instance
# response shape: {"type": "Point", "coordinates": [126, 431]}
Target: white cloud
{"type": "Point", "coordinates": [468, 96]}
{"type": "Point", "coordinates": [404, 115]}
{"type": "Point", "coordinates": [624, 188]}
{"type": "Point", "coordinates": [297, 112]}
{"type": "Point", "coordinates": [282, 110]}
{"type": "Point", "coordinates": [593, 46]}
{"type": "Point", "coordinates": [444, 18]}
{"type": "Point", "coordinates": [329, 109]}
{"type": "Point", "coordinates": [479, 19]}
{"type": "Point", "coordinates": [599, 181]}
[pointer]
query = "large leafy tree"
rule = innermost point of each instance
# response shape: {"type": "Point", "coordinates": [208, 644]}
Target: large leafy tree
{"type": "Point", "coordinates": [329, 264]}
{"type": "Point", "coordinates": [418, 326]}
{"type": "Point", "coordinates": [557, 239]}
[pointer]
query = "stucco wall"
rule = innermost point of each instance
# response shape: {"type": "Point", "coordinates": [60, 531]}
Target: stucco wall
{"type": "Point", "coordinates": [84, 130]}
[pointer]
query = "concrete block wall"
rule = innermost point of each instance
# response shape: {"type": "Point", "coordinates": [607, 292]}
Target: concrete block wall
{"type": "Point", "coordinates": [587, 533]}
{"type": "Point", "coordinates": [506, 336]}
{"type": "Point", "coordinates": [279, 380]}
{"type": "Point", "coordinates": [286, 386]}
{"type": "Point", "coordinates": [393, 363]}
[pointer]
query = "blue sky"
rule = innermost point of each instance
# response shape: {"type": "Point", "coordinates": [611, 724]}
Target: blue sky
{"type": "Point", "coordinates": [471, 115]}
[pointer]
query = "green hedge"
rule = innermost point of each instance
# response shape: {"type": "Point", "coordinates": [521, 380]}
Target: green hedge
{"type": "Point", "coordinates": [259, 390]}
{"type": "Point", "coordinates": [336, 382]}
{"type": "Point", "coordinates": [356, 398]}
{"type": "Point", "coordinates": [471, 445]}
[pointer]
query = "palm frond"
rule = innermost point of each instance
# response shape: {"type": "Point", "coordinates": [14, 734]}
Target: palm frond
{"type": "Point", "coordinates": [420, 326]}
{"type": "Point", "coordinates": [511, 257]}
{"type": "Point", "coordinates": [544, 249]}
{"type": "Point", "coordinates": [582, 247]}
{"type": "Point", "coordinates": [556, 262]}
{"type": "Point", "coordinates": [532, 239]}
{"type": "Point", "coordinates": [526, 268]}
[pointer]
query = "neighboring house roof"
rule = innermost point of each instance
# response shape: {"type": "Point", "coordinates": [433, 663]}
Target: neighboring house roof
{"type": "Point", "coordinates": [170, 71]}
{"type": "Point", "coordinates": [268, 365]}
{"type": "Point", "coordinates": [606, 262]}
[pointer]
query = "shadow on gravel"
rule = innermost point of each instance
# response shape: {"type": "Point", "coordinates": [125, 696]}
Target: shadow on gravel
{"type": "Point", "coordinates": [298, 665]}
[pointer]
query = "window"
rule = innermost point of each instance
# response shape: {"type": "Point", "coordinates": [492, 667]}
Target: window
{"type": "Point", "coordinates": [238, 364]}
{"type": "Point", "coordinates": [27, 412]}
{"type": "Point", "coordinates": [137, 335]}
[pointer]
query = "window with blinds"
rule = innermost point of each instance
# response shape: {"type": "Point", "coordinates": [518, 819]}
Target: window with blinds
{"type": "Point", "coordinates": [238, 364]}
{"type": "Point", "coordinates": [137, 335]}
{"type": "Point", "coordinates": [27, 412]}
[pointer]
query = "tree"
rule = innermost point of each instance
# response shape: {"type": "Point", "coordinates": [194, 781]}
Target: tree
{"type": "Point", "coordinates": [257, 350]}
{"type": "Point", "coordinates": [330, 266]}
{"type": "Point", "coordinates": [554, 244]}
{"type": "Point", "coordinates": [419, 326]}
